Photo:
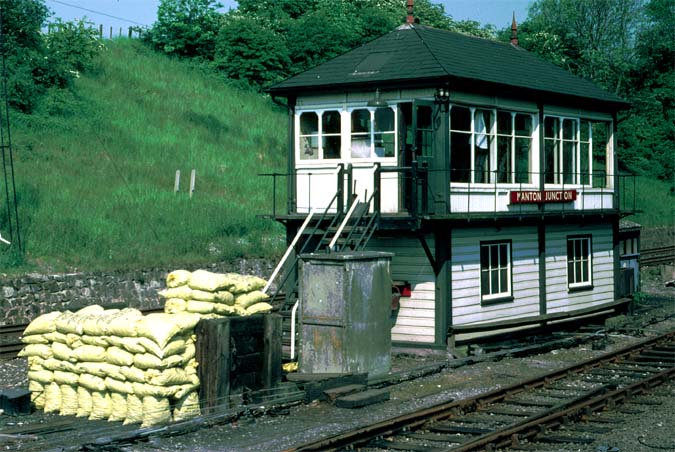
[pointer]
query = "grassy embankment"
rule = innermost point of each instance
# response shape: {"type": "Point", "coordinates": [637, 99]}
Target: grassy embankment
{"type": "Point", "coordinates": [96, 178]}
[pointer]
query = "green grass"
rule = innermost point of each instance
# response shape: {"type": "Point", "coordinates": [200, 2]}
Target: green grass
{"type": "Point", "coordinates": [95, 178]}
{"type": "Point", "coordinates": [654, 199]}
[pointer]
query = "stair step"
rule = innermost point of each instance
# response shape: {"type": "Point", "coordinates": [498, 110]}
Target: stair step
{"type": "Point", "coordinates": [361, 399]}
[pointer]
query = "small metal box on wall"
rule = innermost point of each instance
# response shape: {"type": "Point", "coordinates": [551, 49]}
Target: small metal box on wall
{"type": "Point", "coordinates": [345, 307]}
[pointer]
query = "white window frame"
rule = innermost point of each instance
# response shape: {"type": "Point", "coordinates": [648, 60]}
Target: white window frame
{"type": "Point", "coordinates": [318, 136]}
{"type": "Point", "coordinates": [492, 131]}
{"type": "Point", "coordinates": [488, 270]}
{"type": "Point", "coordinates": [582, 260]}
{"type": "Point", "coordinates": [371, 134]}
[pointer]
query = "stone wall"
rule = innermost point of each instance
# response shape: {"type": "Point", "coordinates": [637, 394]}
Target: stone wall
{"type": "Point", "coordinates": [22, 298]}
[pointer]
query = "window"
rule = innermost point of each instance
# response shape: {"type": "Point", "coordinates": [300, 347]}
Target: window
{"type": "Point", "coordinates": [495, 270]}
{"type": "Point", "coordinates": [579, 262]}
{"type": "Point", "coordinates": [320, 139]}
{"type": "Point", "coordinates": [575, 150]}
{"type": "Point", "coordinates": [373, 133]}
{"type": "Point", "coordinates": [490, 146]}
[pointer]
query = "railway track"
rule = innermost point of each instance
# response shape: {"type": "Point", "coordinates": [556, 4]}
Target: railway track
{"type": "Point", "coordinates": [530, 411]}
{"type": "Point", "coordinates": [655, 256]}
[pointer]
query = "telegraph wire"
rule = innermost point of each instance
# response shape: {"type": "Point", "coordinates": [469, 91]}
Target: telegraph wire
{"type": "Point", "coordinates": [97, 12]}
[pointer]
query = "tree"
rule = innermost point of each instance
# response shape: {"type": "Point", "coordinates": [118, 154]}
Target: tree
{"type": "Point", "coordinates": [593, 38]}
{"type": "Point", "coordinates": [186, 28]}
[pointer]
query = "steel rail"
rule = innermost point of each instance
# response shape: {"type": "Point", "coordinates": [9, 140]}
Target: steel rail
{"type": "Point", "coordinates": [415, 420]}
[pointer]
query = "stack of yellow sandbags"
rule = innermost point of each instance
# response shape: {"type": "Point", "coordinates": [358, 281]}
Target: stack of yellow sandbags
{"type": "Point", "coordinates": [213, 295]}
{"type": "Point", "coordinates": [114, 364]}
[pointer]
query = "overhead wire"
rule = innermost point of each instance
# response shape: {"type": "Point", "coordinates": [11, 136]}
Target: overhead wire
{"type": "Point", "coordinates": [100, 13]}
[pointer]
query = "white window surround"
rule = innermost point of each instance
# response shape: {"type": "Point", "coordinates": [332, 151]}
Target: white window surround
{"type": "Point", "coordinates": [579, 262]}
{"type": "Point", "coordinates": [493, 133]}
{"type": "Point", "coordinates": [583, 177]}
{"type": "Point", "coordinates": [346, 136]}
{"type": "Point", "coordinates": [495, 270]}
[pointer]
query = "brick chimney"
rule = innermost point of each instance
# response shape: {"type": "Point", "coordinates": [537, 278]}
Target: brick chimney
{"type": "Point", "coordinates": [514, 30]}
{"type": "Point", "coordinates": [410, 19]}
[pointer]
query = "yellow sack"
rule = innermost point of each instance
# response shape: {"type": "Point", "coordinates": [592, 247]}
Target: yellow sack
{"type": "Point", "coordinates": [124, 323]}
{"type": "Point", "coordinates": [101, 406]}
{"type": "Point", "coordinates": [97, 324]}
{"type": "Point", "coordinates": [119, 356]}
{"type": "Point", "coordinates": [83, 402]}
{"type": "Point", "coordinates": [223, 309]}
{"type": "Point", "coordinates": [259, 308]}
{"type": "Point", "coordinates": [177, 278]}
{"type": "Point", "coordinates": [118, 410]}
{"type": "Point", "coordinates": [65, 378]}
{"type": "Point", "coordinates": [161, 328]}
{"type": "Point", "coordinates": [37, 363]}
{"type": "Point", "coordinates": [249, 299]}
{"type": "Point", "coordinates": [42, 376]}
{"type": "Point", "coordinates": [187, 407]}
{"type": "Point", "coordinates": [199, 307]}
{"type": "Point", "coordinates": [177, 345]}
{"type": "Point", "coordinates": [93, 309]}
{"type": "Point", "coordinates": [35, 339]}
{"type": "Point", "coordinates": [52, 398]}
{"type": "Point", "coordinates": [170, 377]}
{"type": "Point", "coordinates": [92, 382]}
{"type": "Point", "coordinates": [122, 387]}
{"type": "Point", "coordinates": [174, 305]}
{"type": "Point", "coordinates": [38, 399]}
{"type": "Point", "coordinates": [55, 336]}
{"type": "Point", "coordinates": [134, 409]}
{"type": "Point", "coordinates": [100, 341]}
{"type": "Point", "coordinates": [69, 401]}
{"type": "Point", "coordinates": [243, 284]}
{"type": "Point", "coordinates": [74, 340]}
{"type": "Point", "coordinates": [41, 350]}
{"type": "Point", "coordinates": [156, 410]}
{"type": "Point", "coordinates": [46, 323]}
{"type": "Point", "coordinates": [129, 344]}
{"type": "Point", "coordinates": [208, 281]}
{"type": "Point", "coordinates": [144, 389]}
{"type": "Point", "coordinates": [148, 361]}
{"type": "Point", "coordinates": [184, 390]}
{"type": "Point", "coordinates": [183, 292]}
{"type": "Point", "coordinates": [89, 353]}
{"type": "Point", "coordinates": [133, 374]}
{"type": "Point", "coordinates": [35, 386]}
{"type": "Point", "coordinates": [57, 364]}
{"type": "Point", "coordinates": [69, 322]}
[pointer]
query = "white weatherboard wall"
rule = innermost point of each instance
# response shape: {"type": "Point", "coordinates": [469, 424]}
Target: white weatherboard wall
{"type": "Point", "coordinates": [416, 318]}
{"type": "Point", "coordinates": [466, 303]}
{"type": "Point", "coordinates": [558, 296]}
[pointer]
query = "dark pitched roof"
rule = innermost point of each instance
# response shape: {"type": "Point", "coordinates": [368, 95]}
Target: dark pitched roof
{"type": "Point", "coordinates": [418, 54]}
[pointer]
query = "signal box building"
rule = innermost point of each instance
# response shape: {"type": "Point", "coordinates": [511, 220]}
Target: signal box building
{"type": "Point", "coordinates": [488, 172]}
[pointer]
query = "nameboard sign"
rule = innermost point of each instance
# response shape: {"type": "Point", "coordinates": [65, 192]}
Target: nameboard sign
{"type": "Point", "coordinates": [538, 197]}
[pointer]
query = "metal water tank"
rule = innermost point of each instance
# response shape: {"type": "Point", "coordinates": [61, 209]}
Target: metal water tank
{"type": "Point", "coordinates": [345, 308]}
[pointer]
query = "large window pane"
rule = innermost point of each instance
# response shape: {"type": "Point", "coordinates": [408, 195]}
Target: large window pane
{"type": "Point", "coordinates": [309, 136]}
{"type": "Point", "coordinates": [331, 129]}
{"type": "Point", "coordinates": [523, 125]}
{"type": "Point", "coordinates": [503, 159]}
{"type": "Point", "coordinates": [504, 123]}
{"type": "Point", "coordinates": [569, 162]}
{"type": "Point", "coordinates": [523, 155]}
{"type": "Point", "coordinates": [361, 138]}
{"type": "Point", "coordinates": [460, 156]}
{"type": "Point", "coordinates": [551, 153]}
{"type": "Point", "coordinates": [482, 125]}
{"type": "Point", "coordinates": [460, 118]}
{"type": "Point", "coordinates": [495, 270]}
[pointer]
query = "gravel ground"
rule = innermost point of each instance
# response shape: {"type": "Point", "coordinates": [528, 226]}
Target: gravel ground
{"type": "Point", "coordinates": [653, 430]}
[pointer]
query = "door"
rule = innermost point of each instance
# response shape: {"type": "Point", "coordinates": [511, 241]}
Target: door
{"type": "Point", "coordinates": [417, 149]}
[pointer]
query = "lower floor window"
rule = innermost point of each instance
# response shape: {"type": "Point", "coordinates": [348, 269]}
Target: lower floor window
{"type": "Point", "coordinates": [495, 270]}
{"type": "Point", "coordinates": [578, 261]}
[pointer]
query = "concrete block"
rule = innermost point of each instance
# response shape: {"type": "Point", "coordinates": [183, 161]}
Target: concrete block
{"type": "Point", "coordinates": [361, 399]}
{"type": "Point", "coordinates": [15, 401]}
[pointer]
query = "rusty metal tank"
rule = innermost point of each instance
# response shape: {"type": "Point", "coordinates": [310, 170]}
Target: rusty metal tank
{"type": "Point", "coordinates": [345, 308]}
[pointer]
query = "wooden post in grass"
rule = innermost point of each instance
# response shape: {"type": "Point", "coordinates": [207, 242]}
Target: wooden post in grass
{"type": "Point", "coordinates": [193, 174]}
{"type": "Point", "coordinates": [129, 32]}
{"type": "Point", "coordinates": [100, 31]}
{"type": "Point", "coordinates": [176, 184]}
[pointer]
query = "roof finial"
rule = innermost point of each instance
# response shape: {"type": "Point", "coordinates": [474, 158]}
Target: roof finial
{"type": "Point", "coordinates": [411, 17]}
{"type": "Point", "coordinates": [514, 30]}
